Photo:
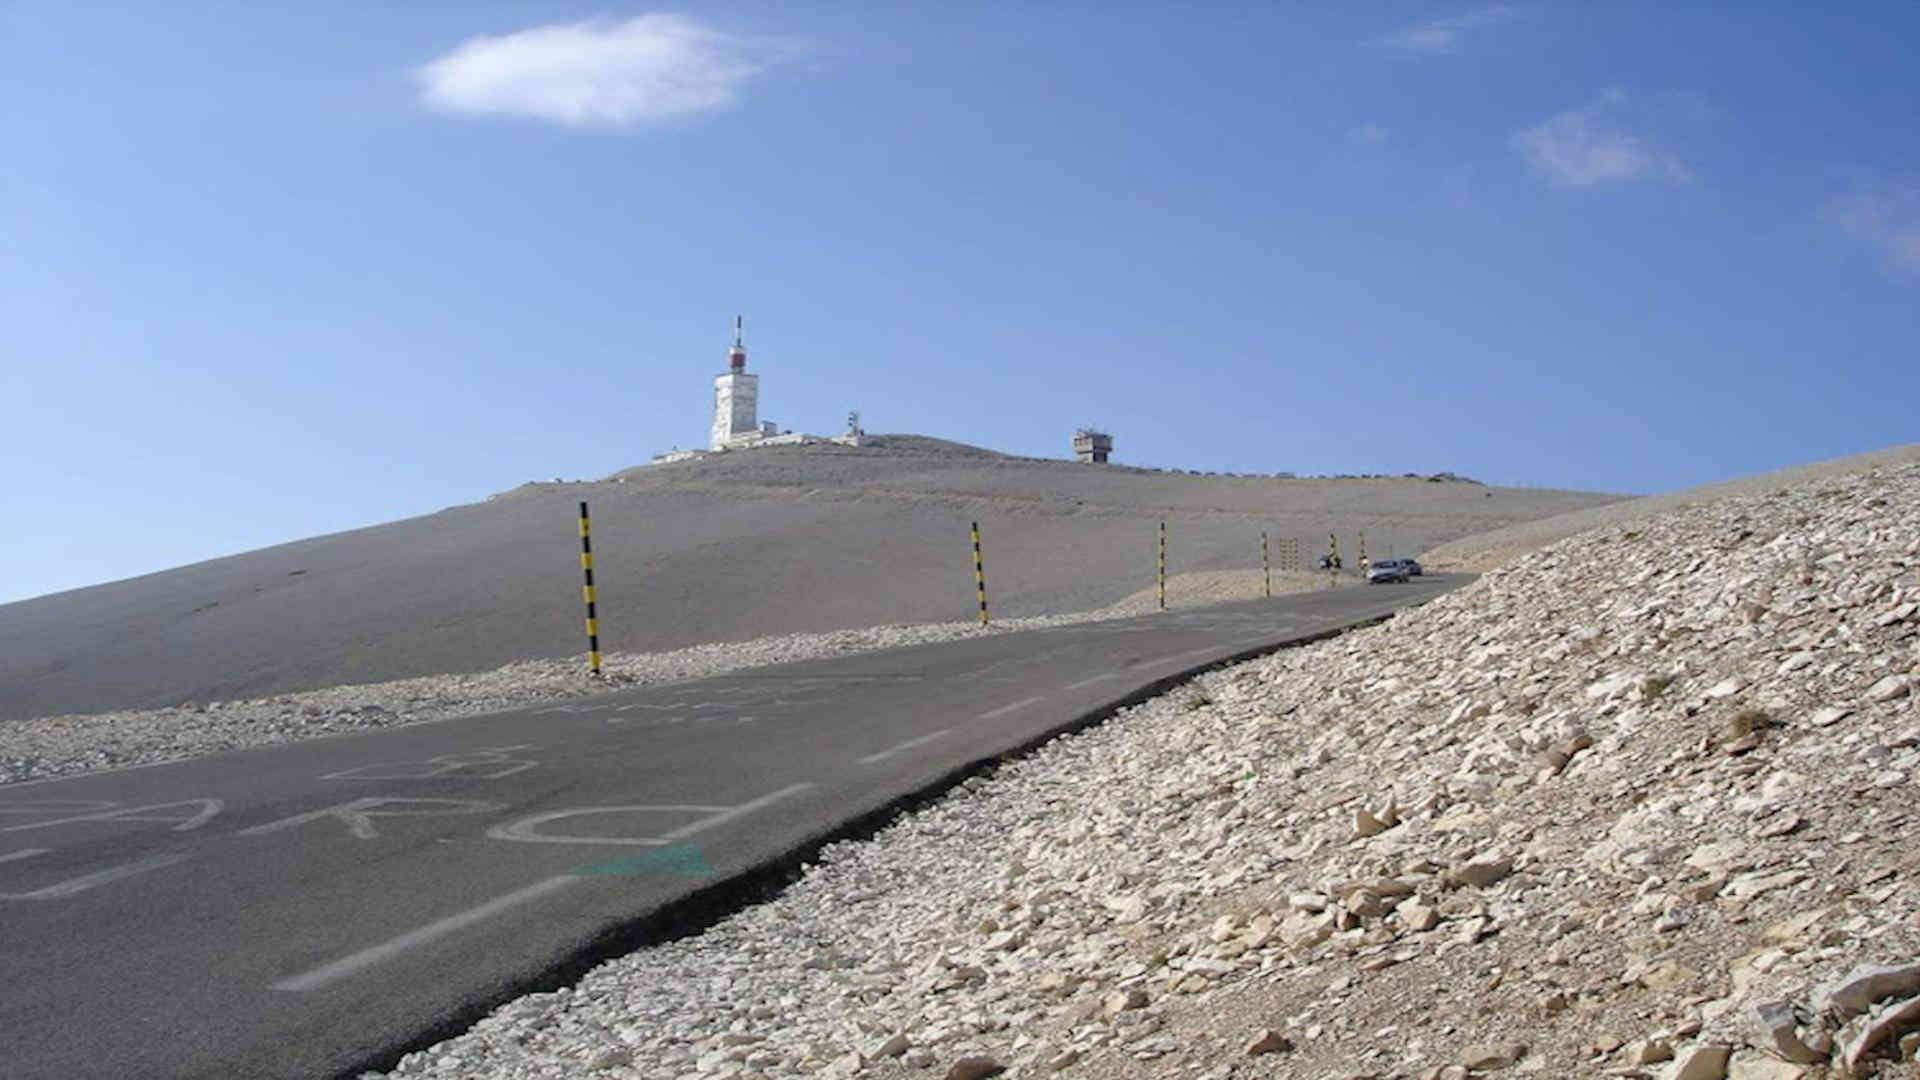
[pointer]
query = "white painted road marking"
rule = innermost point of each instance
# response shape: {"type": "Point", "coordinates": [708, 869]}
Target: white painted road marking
{"type": "Point", "coordinates": [75, 886]}
{"type": "Point", "coordinates": [56, 806]}
{"type": "Point", "coordinates": [207, 808]}
{"type": "Point", "coordinates": [386, 950]}
{"type": "Point", "coordinates": [1095, 679]}
{"type": "Point", "coordinates": [525, 828]}
{"type": "Point", "coordinates": [28, 853]}
{"type": "Point", "coordinates": [908, 745]}
{"type": "Point", "coordinates": [481, 763]}
{"type": "Point", "coordinates": [519, 830]}
{"type": "Point", "coordinates": [359, 814]}
{"type": "Point", "coordinates": [739, 811]}
{"type": "Point", "coordinates": [1015, 707]}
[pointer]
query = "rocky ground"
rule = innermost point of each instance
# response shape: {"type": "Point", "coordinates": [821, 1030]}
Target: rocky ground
{"type": "Point", "coordinates": [1640, 804]}
{"type": "Point", "coordinates": [1491, 548]}
{"type": "Point", "coordinates": [65, 745]}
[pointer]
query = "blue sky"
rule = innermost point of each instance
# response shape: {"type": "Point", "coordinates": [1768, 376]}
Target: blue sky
{"type": "Point", "coordinates": [272, 271]}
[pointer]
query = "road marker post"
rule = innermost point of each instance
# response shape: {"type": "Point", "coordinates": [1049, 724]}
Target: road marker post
{"type": "Point", "coordinates": [979, 573]}
{"type": "Point", "coordinates": [1162, 577]}
{"type": "Point", "coordinates": [1333, 561]}
{"type": "Point", "coordinates": [586, 567]}
{"type": "Point", "coordinates": [1266, 568]}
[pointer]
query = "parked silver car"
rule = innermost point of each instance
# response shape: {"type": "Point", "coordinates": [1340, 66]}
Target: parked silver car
{"type": "Point", "coordinates": [1388, 570]}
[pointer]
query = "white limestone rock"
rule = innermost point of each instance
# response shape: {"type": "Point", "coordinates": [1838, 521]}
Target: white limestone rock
{"type": "Point", "coordinates": [1857, 990]}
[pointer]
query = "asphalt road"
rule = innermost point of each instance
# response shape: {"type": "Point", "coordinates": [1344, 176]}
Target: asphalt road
{"type": "Point", "coordinates": [314, 909]}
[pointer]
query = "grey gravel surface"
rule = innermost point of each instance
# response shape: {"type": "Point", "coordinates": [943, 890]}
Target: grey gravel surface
{"type": "Point", "coordinates": [750, 545]}
{"type": "Point", "coordinates": [1496, 547]}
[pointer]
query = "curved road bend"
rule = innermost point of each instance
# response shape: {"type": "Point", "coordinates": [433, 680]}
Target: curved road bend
{"type": "Point", "coordinates": [311, 909]}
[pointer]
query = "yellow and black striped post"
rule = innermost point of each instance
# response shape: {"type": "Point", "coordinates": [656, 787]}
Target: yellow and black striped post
{"type": "Point", "coordinates": [1363, 552]}
{"type": "Point", "coordinates": [1266, 568]}
{"type": "Point", "coordinates": [1162, 577]}
{"type": "Point", "coordinates": [586, 567]}
{"type": "Point", "coordinates": [979, 573]}
{"type": "Point", "coordinates": [1333, 561]}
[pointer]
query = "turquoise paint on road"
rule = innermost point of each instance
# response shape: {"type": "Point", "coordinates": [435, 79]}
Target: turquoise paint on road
{"type": "Point", "coordinates": [672, 859]}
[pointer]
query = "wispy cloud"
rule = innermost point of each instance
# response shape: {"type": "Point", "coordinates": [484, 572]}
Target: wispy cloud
{"type": "Point", "coordinates": [600, 73]}
{"type": "Point", "coordinates": [1886, 215]}
{"type": "Point", "coordinates": [1584, 147]}
{"type": "Point", "coordinates": [1368, 135]}
{"type": "Point", "coordinates": [1438, 36]}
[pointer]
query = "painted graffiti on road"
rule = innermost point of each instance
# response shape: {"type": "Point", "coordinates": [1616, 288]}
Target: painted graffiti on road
{"type": "Point", "coordinates": [364, 819]}
{"type": "Point", "coordinates": [71, 887]}
{"type": "Point", "coordinates": [203, 811]}
{"type": "Point", "coordinates": [481, 763]}
{"type": "Point", "coordinates": [532, 829]}
{"type": "Point", "coordinates": [358, 815]}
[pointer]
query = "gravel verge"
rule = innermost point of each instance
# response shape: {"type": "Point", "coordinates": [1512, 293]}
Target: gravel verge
{"type": "Point", "coordinates": [68, 745]}
{"type": "Point", "coordinates": [1605, 812]}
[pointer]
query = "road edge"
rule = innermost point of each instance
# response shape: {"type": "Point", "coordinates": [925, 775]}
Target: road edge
{"type": "Point", "coordinates": [707, 906]}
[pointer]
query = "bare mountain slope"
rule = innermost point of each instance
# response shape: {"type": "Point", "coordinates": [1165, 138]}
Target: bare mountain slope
{"type": "Point", "coordinates": [739, 546]}
{"type": "Point", "coordinates": [1485, 551]}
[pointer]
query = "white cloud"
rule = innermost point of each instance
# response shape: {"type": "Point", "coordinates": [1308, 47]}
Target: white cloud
{"type": "Point", "coordinates": [1445, 35]}
{"type": "Point", "coordinates": [1885, 214]}
{"type": "Point", "coordinates": [1368, 135]}
{"type": "Point", "coordinates": [599, 73]}
{"type": "Point", "coordinates": [1584, 147]}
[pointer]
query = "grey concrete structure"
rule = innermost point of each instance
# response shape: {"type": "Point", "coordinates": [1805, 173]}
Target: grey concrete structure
{"type": "Point", "coordinates": [1092, 447]}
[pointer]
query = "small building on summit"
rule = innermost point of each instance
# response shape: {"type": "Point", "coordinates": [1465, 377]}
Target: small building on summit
{"type": "Point", "coordinates": [1092, 447]}
{"type": "Point", "coordinates": [736, 413]}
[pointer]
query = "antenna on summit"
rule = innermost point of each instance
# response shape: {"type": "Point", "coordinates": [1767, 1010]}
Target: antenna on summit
{"type": "Point", "coordinates": [737, 356]}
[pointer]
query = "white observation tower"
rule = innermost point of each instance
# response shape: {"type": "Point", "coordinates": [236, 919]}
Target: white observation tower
{"type": "Point", "coordinates": [736, 397]}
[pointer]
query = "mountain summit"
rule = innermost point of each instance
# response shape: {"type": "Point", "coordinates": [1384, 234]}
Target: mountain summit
{"type": "Point", "coordinates": [725, 547]}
